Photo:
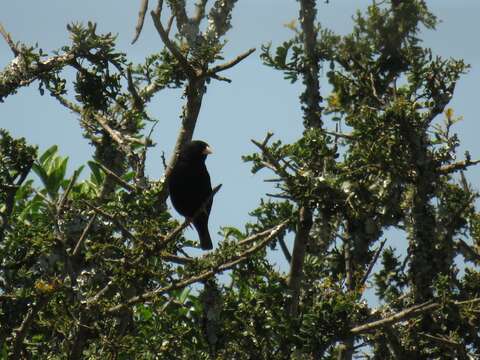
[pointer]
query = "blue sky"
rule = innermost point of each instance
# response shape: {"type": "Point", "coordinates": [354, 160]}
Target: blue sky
{"type": "Point", "coordinates": [258, 100]}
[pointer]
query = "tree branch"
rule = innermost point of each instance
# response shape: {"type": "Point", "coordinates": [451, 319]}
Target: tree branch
{"type": "Point", "coordinates": [19, 333]}
{"type": "Point", "coordinates": [230, 64]}
{"type": "Point", "coordinates": [460, 165]}
{"type": "Point", "coordinates": [140, 19]}
{"type": "Point", "coordinates": [295, 277]}
{"type": "Point", "coordinates": [151, 295]}
{"type": "Point", "coordinates": [372, 263]}
{"type": "Point", "coordinates": [189, 70]}
{"type": "Point", "coordinates": [406, 314]}
{"type": "Point", "coordinates": [15, 75]}
{"type": "Point", "coordinates": [116, 178]}
{"type": "Point", "coordinates": [9, 41]}
{"type": "Point", "coordinates": [82, 238]}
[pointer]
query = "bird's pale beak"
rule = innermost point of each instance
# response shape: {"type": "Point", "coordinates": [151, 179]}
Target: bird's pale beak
{"type": "Point", "coordinates": [208, 150]}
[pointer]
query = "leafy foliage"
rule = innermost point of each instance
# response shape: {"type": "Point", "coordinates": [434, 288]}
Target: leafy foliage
{"type": "Point", "coordinates": [96, 267]}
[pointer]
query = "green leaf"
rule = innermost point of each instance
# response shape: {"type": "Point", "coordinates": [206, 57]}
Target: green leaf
{"type": "Point", "coordinates": [48, 154]}
{"type": "Point", "coordinates": [97, 174]}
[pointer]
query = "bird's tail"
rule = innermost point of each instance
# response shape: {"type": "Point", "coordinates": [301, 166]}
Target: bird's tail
{"type": "Point", "coordinates": [203, 234]}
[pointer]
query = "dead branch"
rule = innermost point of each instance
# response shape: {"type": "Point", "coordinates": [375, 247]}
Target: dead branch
{"type": "Point", "coordinates": [9, 41]}
{"type": "Point", "coordinates": [140, 20]}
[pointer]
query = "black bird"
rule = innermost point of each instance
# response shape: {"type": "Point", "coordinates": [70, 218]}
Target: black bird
{"type": "Point", "coordinates": [190, 187]}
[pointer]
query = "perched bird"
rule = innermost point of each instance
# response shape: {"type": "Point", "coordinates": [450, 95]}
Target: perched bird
{"type": "Point", "coordinates": [190, 187]}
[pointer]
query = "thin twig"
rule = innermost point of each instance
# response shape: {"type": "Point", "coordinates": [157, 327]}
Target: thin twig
{"type": "Point", "coordinates": [372, 263]}
{"type": "Point", "coordinates": [9, 41]}
{"type": "Point", "coordinates": [468, 253]}
{"type": "Point", "coordinates": [230, 64]}
{"type": "Point", "coordinates": [138, 103]}
{"type": "Point", "coordinates": [111, 218]}
{"type": "Point", "coordinates": [407, 314]}
{"type": "Point", "coordinates": [117, 178]}
{"type": "Point", "coordinates": [164, 160]}
{"type": "Point", "coordinates": [63, 200]}
{"type": "Point", "coordinates": [100, 293]}
{"type": "Point", "coordinates": [285, 251]}
{"type": "Point", "coordinates": [176, 259]}
{"type": "Point", "coordinates": [82, 238]}
{"type": "Point", "coordinates": [171, 46]}
{"type": "Point", "coordinates": [113, 133]}
{"type": "Point", "coordinates": [255, 237]}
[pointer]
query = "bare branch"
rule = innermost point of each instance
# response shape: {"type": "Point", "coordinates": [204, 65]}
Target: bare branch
{"type": "Point", "coordinates": [255, 237]}
{"type": "Point", "coordinates": [230, 64]}
{"type": "Point", "coordinates": [221, 78]}
{"type": "Point", "coordinates": [468, 253]}
{"type": "Point", "coordinates": [189, 70]}
{"type": "Point", "coordinates": [62, 201]}
{"type": "Point", "coordinates": [9, 41]}
{"type": "Point", "coordinates": [312, 110]}
{"type": "Point", "coordinates": [176, 259]}
{"type": "Point", "coordinates": [116, 178]}
{"type": "Point", "coordinates": [460, 165]}
{"type": "Point", "coordinates": [138, 102]}
{"type": "Point", "coordinates": [406, 314]}
{"type": "Point", "coordinates": [140, 19]}
{"type": "Point", "coordinates": [82, 238]}
{"type": "Point", "coordinates": [115, 135]}
{"type": "Point", "coordinates": [295, 276]}
{"type": "Point", "coordinates": [99, 294]}
{"type": "Point", "coordinates": [372, 263]}
{"type": "Point", "coordinates": [339, 135]}
{"type": "Point", "coordinates": [67, 103]}
{"type": "Point", "coordinates": [285, 251]}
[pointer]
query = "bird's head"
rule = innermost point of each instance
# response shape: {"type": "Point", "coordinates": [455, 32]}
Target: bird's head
{"type": "Point", "coordinates": [196, 150]}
